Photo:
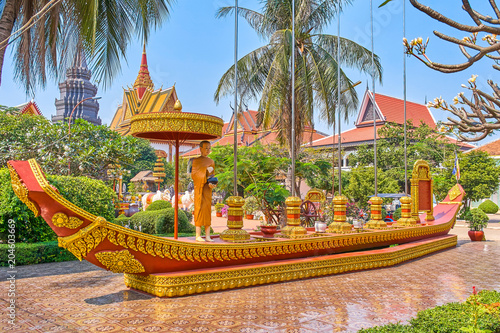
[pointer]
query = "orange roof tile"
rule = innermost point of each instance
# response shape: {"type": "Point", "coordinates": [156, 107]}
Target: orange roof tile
{"type": "Point", "coordinates": [492, 148]}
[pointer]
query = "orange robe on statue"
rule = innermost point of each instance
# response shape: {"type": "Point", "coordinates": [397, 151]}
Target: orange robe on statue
{"type": "Point", "coordinates": [202, 192]}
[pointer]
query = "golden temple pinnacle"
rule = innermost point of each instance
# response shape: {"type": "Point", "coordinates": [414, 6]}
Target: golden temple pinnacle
{"type": "Point", "coordinates": [143, 80]}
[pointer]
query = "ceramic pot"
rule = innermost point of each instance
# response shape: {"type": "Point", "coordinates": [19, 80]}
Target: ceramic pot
{"type": "Point", "coordinates": [319, 226]}
{"type": "Point", "coordinates": [269, 230]}
{"type": "Point", "coordinates": [218, 214]}
{"type": "Point", "coordinates": [249, 216]}
{"type": "Point", "coordinates": [476, 236]}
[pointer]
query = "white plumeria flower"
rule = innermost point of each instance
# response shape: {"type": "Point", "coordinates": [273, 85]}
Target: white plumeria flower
{"type": "Point", "coordinates": [473, 78]}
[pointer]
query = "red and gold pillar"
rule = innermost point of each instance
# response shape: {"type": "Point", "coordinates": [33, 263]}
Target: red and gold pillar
{"type": "Point", "coordinates": [159, 171]}
{"type": "Point", "coordinates": [406, 219]}
{"type": "Point", "coordinates": [293, 228]}
{"type": "Point", "coordinates": [339, 224]}
{"type": "Point", "coordinates": [376, 221]}
{"type": "Point", "coordinates": [234, 231]}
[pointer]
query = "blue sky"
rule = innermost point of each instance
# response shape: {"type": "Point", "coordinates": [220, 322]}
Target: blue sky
{"type": "Point", "coordinates": [193, 49]}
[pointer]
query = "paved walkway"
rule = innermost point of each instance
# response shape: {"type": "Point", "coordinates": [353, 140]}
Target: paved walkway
{"type": "Point", "coordinates": [79, 297]}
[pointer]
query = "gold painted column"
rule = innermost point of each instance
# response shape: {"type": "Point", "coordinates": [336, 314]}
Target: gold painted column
{"type": "Point", "coordinates": [293, 228]}
{"type": "Point", "coordinates": [414, 199]}
{"type": "Point", "coordinates": [235, 221]}
{"type": "Point", "coordinates": [376, 221]}
{"type": "Point", "coordinates": [406, 219]}
{"type": "Point", "coordinates": [339, 224]}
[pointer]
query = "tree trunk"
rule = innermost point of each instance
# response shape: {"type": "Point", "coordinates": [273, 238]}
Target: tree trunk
{"type": "Point", "coordinates": [6, 25]}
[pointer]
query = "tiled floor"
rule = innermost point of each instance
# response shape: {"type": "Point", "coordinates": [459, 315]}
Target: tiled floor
{"type": "Point", "coordinates": [78, 297]}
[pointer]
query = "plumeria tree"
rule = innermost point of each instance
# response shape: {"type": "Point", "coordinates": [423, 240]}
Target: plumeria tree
{"type": "Point", "coordinates": [477, 113]}
{"type": "Point", "coordinates": [85, 151]}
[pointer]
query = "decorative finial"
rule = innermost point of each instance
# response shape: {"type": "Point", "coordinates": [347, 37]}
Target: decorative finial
{"type": "Point", "coordinates": [178, 106]}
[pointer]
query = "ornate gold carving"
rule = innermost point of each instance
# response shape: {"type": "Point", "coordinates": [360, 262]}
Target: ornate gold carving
{"type": "Point", "coordinates": [47, 188]}
{"type": "Point", "coordinates": [454, 192]}
{"type": "Point", "coordinates": [176, 122]}
{"type": "Point", "coordinates": [21, 191]}
{"type": "Point", "coordinates": [186, 284]}
{"type": "Point", "coordinates": [62, 220]}
{"type": "Point", "coordinates": [86, 239]}
{"type": "Point", "coordinates": [235, 232]}
{"type": "Point", "coordinates": [120, 262]}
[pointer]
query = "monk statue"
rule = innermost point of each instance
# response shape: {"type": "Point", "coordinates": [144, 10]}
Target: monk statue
{"type": "Point", "coordinates": [201, 171]}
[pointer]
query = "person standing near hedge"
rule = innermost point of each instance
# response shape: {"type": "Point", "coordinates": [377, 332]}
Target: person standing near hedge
{"type": "Point", "coordinates": [202, 169]}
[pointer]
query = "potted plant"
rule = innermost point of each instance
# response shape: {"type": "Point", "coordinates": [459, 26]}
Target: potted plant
{"type": "Point", "coordinates": [268, 229]}
{"type": "Point", "coordinates": [251, 206]}
{"type": "Point", "coordinates": [218, 209]}
{"type": "Point", "coordinates": [320, 224]}
{"type": "Point", "coordinates": [477, 220]}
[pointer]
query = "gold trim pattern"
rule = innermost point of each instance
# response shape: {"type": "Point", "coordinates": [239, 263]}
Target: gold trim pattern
{"type": "Point", "coordinates": [454, 192]}
{"type": "Point", "coordinates": [47, 188]}
{"type": "Point", "coordinates": [61, 220]}
{"type": "Point", "coordinates": [21, 191]}
{"type": "Point", "coordinates": [187, 284]}
{"type": "Point", "coordinates": [120, 262]}
{"type": "Point", "coordinates": [82, 242]}
{"type": "Point", "coordinates": [176, 122]}
{"type": "Point", "coordinates": [86, 239]}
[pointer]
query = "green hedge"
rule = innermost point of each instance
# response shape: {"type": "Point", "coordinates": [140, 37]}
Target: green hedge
{"type": "Point", "coordinates": [159, 221]}
{"type": "Point", "coordinates": [29, 228]}
{"type": "Point", "coordinates": [158, 205]}
{"type": "Point", "coordinates": [35, 253]}
{"type": "Point", "coordinates": [89, 194]}
{"type": "Point", "coordinates": [489, 207]}
{"type": "Point", "coordinates": [450, 318]}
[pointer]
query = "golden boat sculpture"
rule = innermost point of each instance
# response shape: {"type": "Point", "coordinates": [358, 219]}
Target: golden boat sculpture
{"type": "Point", "coordinates": [169, 267]}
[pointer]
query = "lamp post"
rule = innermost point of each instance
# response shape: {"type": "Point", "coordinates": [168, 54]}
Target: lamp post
{"type": "Point", "coordinates": [69, 123]}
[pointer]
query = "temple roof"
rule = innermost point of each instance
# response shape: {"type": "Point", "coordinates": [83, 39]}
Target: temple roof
{"type": "Point", "coordinates": [143, 80]}
{"type": "Point", "coordinates": [387, 109]}
{"type": "Point", "coordinates": [492, 148]}
{"type": "Point", "coordinates": [248, 133]}
{"type": "Point", "coordinates": [161, 100]}
{"type": "Point", "coordinates": [28, 108]}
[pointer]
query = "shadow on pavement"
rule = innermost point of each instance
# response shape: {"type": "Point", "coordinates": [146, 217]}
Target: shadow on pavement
{"type": "Point", "coordinates": [118, 297]}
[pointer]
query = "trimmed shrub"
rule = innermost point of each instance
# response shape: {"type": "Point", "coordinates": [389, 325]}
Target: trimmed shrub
{"type": "Point", "coordinates": [146, 220]}
{"type": "Point", "coordinates": [477, 219]}
{"type": "Point", "coordinates": [89, 194]}
{"type": "Point", "coordinates": [489, 207]}
{"type": "Point", "coordinates": [158, 205]}
{"type": "Point", "coordinates": [159, 221]}
{"type": "Point", "coordinates": [35, 253]}
{"type": "Point", "coordinates": [189, 215]}
{"type": "Point", "coordinates": [448, 318]}
{"type": "Point", "coordinates": [165, 222]}
{"type": "Point", "coordinates": [122, 220]}
{"type": "Point", "coordinates": [28, 227]}
{"type": "Point", "coordinates": [397, 214]}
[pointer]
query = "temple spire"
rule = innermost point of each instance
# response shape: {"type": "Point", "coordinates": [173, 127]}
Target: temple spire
{"type": "Point", "coordinates": [143, 80]}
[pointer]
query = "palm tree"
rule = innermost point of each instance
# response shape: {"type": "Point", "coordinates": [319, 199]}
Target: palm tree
{"type": "Point", "coordinates": [265, 73]}
{"type": "Point", "coordinates": [103, 27]}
